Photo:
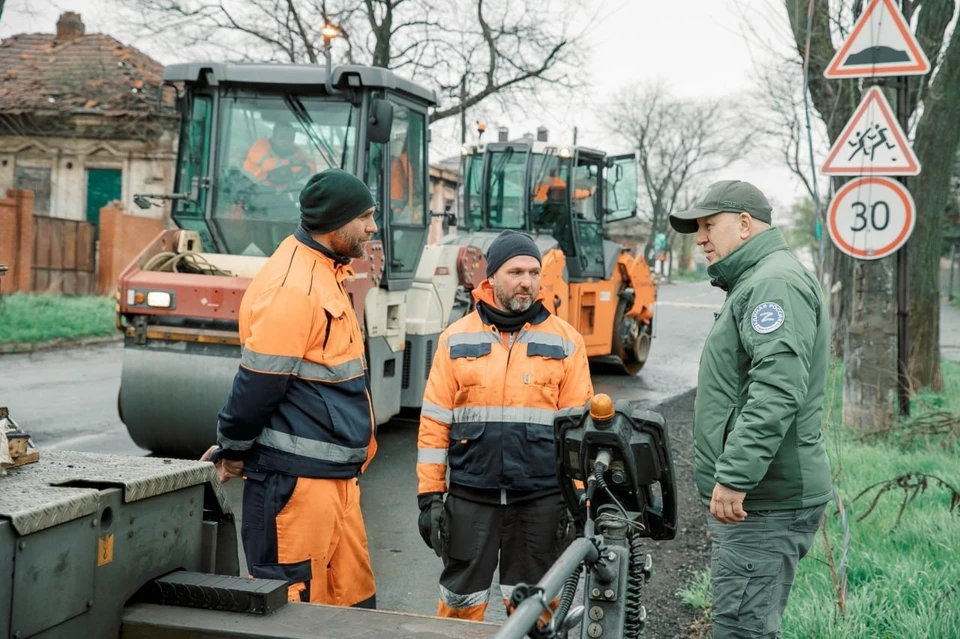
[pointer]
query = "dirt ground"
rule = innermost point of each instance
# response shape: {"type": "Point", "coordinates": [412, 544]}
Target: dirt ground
{"type": "Point", "coordinates": [677, 561]}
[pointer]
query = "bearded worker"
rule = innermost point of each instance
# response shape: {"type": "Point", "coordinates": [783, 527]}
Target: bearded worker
{"type": "Point", "coordinates": [499, 376]}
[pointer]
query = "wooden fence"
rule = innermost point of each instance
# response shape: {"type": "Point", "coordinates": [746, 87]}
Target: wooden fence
{"type": "Point", "coordinates": [64, 256]}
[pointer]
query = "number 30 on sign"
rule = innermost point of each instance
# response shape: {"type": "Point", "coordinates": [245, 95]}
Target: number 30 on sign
{"type": "Point", "coordinates": [871, 217]}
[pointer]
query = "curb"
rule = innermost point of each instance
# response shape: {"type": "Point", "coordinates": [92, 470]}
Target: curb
{"type": "Point", "coordinates": [12, 348]}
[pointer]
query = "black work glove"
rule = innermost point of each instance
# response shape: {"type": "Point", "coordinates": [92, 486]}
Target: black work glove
{"type": "Point", "coordinates": [431, 510]}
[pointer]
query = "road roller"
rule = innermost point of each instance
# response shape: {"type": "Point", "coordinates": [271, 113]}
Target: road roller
{"type": "Point", "coordinates": [251, 135]}
{"type": "Point", "coordinates": [566, 196]}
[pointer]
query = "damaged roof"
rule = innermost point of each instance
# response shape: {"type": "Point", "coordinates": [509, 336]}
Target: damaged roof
{"type": "Point", "coordinates": [75, 72]}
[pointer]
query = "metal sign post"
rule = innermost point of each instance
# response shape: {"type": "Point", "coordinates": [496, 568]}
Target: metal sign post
{"type": "Point", "coordinates": [903, 298]}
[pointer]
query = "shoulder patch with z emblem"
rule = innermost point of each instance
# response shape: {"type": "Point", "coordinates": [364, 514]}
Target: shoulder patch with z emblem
{"type": "Point", "coordinates": [767, 317]}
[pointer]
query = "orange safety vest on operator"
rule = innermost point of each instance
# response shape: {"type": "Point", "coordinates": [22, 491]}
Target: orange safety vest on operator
{"type": "Point", "coordinates": [261, 160]}
{"type": "Point", "coordinates": [401, 179]}
{"type": "Point", "coordinates": [549, 182]}
{"type": "Point", "coordinates": [490, 401]}
{"type": "Point", "coordinates": [300, 402]}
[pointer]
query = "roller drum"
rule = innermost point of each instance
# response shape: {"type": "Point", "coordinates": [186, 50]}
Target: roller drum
{"type": "Point", "coordinates": [170, 394]}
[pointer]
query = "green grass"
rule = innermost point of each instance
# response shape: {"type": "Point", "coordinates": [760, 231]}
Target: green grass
{"type": "Point", "coordinates": [903, 580]}
{"type": "Point", "coordinates": [698, 592]}
{"type": "Point", "coordinates": [41, 318]}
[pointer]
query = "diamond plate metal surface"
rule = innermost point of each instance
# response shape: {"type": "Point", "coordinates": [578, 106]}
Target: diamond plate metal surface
{"type": "Point", "coordinates": [54, 490]}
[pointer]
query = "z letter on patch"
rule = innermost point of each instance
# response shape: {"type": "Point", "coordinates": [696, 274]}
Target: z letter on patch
{"type": "Point", "coordinates": [767, 317]}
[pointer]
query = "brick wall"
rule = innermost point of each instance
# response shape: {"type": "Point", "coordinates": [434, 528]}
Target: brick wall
{"type": "Point", "coordinates": [16, 239]}
{"type": "Point", "coordinates": [122, 237]}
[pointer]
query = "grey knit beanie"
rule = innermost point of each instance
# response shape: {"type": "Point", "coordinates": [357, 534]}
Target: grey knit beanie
{"type": "Point", "coordinates": [507, 245]}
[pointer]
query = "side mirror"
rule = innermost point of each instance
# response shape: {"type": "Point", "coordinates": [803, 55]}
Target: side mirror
{"type": "Point", "coordinates": [381, 121]}
{"type": "Point", "coordinates": [178, 97]}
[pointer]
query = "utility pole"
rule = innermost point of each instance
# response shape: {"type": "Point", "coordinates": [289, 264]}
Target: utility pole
{"type": "Point", "coordinates": [903, 273]}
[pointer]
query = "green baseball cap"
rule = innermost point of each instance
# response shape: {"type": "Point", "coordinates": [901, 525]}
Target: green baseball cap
{"type": "Point", "coordinates": [731, 196]}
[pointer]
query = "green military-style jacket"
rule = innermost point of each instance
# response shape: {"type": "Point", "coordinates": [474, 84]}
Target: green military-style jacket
{"type": "Point", "coordinates": [762, 374]}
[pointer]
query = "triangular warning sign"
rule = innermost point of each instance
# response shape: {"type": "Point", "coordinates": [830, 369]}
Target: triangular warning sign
{"type": "Point", "coordinates": [880, 44]}
{"type": "Point", "coordinates": [872, 143]}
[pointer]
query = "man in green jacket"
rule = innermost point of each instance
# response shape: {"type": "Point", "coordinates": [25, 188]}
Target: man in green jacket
{"type": "Point", "coordinates": [761, 463]}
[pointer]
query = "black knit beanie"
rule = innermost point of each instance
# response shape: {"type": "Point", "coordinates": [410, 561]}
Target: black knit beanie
{"type": "Point", "coordinates": [507, 245]}
{"type": "Point", "coordinates": [332, 198]}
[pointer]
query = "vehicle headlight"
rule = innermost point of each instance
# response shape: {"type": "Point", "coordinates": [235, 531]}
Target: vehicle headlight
{"type": "Point", "coordinates": [159, 299]}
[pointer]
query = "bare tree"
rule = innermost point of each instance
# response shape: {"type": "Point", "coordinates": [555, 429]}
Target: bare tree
{"type": "Point", "coordinates": [469, 50]}
{"type": "Point", "coordinates": [679, 143]}
{"type": "Point", "coordinates": [868, 298]}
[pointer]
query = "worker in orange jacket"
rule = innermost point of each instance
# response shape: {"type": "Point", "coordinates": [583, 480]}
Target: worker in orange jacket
{"type": "Point", "coordinates": [498, 377]}
{"type": "Point", "coordinates": [298, 425]}
{"type": "Point", "coordinates": [554, 187]}
{"type": "Point", "coordinates": [277, 161]}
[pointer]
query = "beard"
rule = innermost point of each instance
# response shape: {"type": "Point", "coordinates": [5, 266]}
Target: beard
{"type": "Point", "coordinates": [348, 245]}
{"type": "Point", "coordinates": [512, 303]}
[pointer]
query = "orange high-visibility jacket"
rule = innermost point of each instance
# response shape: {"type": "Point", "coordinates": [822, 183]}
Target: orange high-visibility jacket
{"type": "Point", "coordinates": [261, 160]}
{"type": "Point", "coordinates": [401, 179]}
{"type": "Point", "coordinates": [300, 403]}
{"type": "Point", "coordinates": [490, 401]}
{"type": "Point", "coordinates": [556, 182]}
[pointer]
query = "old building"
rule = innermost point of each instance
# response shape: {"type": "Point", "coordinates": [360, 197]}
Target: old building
{"type": "Point", "coordinates": [444, 197]}
{"type": "Point", "coordinates": [79, 122]}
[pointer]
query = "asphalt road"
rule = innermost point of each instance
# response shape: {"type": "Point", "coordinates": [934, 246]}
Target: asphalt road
{"type": "Point", "coordinates": [67, 399]}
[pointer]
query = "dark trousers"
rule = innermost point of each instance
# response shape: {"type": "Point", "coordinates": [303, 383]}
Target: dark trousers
{"type": "Point", "coordinates": [524, 538]}
{"type": "Point", "coordinates": [753, 567]}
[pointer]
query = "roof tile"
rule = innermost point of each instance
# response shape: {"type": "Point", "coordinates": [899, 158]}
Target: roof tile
{"type": "Point", "coordinates": [93, 68]}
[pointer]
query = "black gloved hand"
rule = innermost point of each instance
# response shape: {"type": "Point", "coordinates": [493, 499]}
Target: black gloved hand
{"type": "Point", "coordinates": [431, 510]}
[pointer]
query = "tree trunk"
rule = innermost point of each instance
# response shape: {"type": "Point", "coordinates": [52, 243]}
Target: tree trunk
{"type": "Point", "coordinates": [382, 33]}
{"type": "Point", "coordinates": [686, 253]}
{"type": "Point", "coordinates": [870, 362]}
{"type": "Point", "coordinates": [840, 285]}
{"type": "Point", "coordinates": [936, 144]}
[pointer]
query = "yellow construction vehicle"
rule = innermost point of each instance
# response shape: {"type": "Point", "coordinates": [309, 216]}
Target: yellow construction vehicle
{"type": "Point", "coordinates": [565, 196]}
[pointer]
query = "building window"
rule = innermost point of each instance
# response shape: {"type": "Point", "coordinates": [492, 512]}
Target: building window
{"type": "Point", "coordinates": [36, 179]}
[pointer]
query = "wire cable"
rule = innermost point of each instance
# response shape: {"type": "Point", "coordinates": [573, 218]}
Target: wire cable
{"type": "Point", "coordinates": [170, 262]}
{"type": "Point", "coordinates": [821, 231]}
{"type": "Point", "coordinates": [806, 112]}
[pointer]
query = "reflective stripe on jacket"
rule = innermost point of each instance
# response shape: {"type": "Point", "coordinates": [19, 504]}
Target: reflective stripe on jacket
{"type": "Point", "coordinates": [490, 401]}
{"type": "Point", "coordinates": [299, 402]}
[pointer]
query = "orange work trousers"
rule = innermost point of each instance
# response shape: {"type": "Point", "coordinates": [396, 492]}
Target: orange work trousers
{"type": "Point", "coordinates": [309, 533]}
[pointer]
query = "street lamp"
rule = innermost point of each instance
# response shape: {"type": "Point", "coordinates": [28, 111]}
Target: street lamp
{"type": "Point", "coordinates": [329, 32]}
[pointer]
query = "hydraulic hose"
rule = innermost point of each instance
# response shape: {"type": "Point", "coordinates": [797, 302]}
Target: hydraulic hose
{"type": "Point", "coordinates": [635, 615]}
{"type": "Point", "coordinates": [566, 597]}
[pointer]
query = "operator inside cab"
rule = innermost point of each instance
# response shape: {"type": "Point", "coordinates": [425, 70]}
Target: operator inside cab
{"type": "Point", "coordinates": [553, 187]}
{"type": "Point", "coordinates": [277, 161]}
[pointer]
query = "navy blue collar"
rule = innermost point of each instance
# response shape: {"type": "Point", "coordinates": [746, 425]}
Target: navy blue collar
{"type": "Point", "coordinates": [303, 236]}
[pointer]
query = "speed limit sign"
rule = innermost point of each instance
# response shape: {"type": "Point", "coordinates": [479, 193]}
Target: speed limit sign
{"type": "Point", "coordinates": [871, 217]}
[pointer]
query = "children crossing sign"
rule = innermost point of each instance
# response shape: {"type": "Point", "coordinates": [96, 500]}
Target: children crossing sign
{"type": "Point", "coordinates": [872, 143]}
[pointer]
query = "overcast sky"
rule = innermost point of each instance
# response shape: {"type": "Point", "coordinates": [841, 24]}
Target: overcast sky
{"type": "Point", "coordinates": [697, 46]}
